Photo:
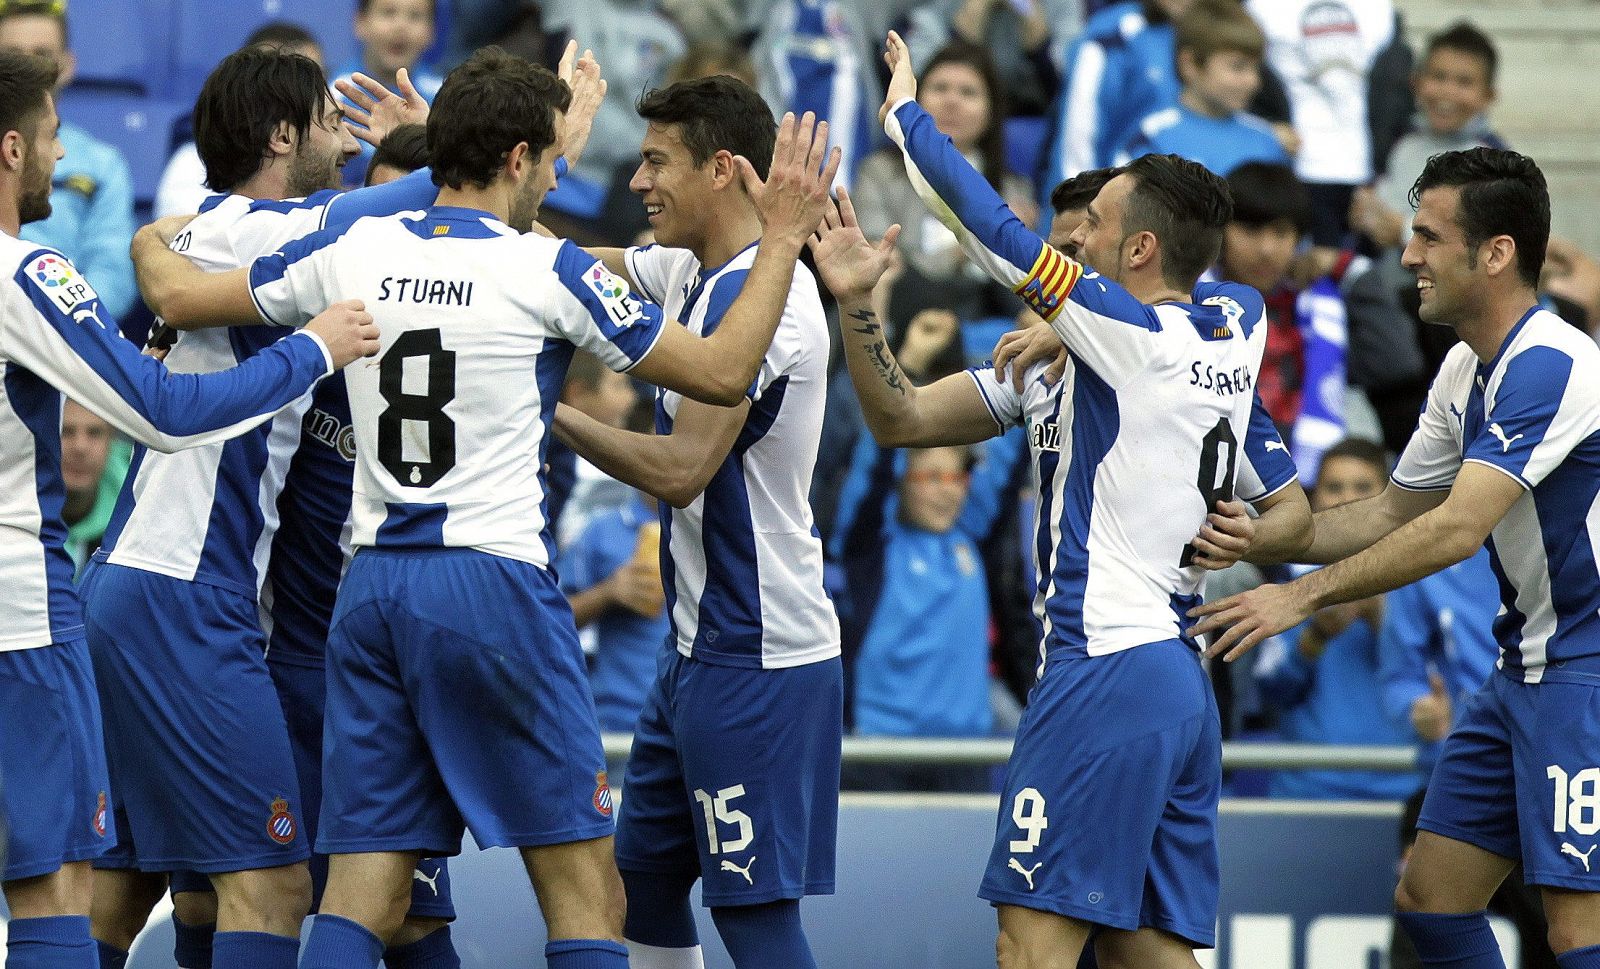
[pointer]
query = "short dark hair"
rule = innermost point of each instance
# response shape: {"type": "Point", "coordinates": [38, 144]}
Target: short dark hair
{"type": "Point", "coordinates": [1267, 192]}
{"type": "Point", "coordinates": [487, 106]}
{"type": "Point", "coordinates": [1079, 190]}
{"type": "Point", "coordinates": [405, 148]}
{"type": "Point", "coordinates": [281, 33]}
{"type": "Point", "coordinates": [1502, 193]}
{"type": "Point", "coordinates": [54, 9]}
{"type": "Point", "coordinates": [248, 95]}
{"type": "Point", "coordinates": [362, 6]}
{"type": "Point", "coordinates": [1464, 38]}
{"type": "Point", "coordinates": [24, 82]}
{"type": "Point", "coordinates": [1357, 449]}
{"type": "Point", "coordinates": [717, 113]}
{"type": "Point", "coordinates": [1186, 206]}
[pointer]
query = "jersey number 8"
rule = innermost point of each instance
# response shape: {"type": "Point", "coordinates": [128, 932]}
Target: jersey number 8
{"type": "Point", "coordinates": [425, 408]}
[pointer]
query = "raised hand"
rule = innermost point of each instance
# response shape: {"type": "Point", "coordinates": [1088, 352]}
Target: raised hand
{"type": "Point", "coordinates": [902, 80]}
{"type": "Point", "coordinates": [847, 262]}
{"type": "Point", "coordinates": [374, 110]}
{"type": "Point", "coordinates": [794, 196]}
{"type": "Point", "coordinates": [347, 329]}
{"type": "Point", "coordinates": [582, 75]}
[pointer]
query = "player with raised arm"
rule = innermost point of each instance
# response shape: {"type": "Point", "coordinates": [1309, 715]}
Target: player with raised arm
{"type": "Point", "coordinates": [56, 337]}
{"type": "Point", "coordinates": [753, 638]}
{"type": "Point", "coordinates": [1507, 452]}
{"type": "Point", "coordinates": [450, 434]}
{"type": "Point", "coordinates": [1149, 429]}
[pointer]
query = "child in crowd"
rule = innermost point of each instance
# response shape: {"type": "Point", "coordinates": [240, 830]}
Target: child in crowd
{"type": "Point", "coordinates": [1219, 50]}
{"type": "Point", "coordinates": [393, 34]}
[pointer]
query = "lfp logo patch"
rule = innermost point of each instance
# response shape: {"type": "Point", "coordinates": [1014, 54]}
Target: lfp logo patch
{"type": "Point", "coordinates": [53, 276]}
{"type": "Point", "coordinates": [620, 306]}
{"type": "Point", "coordinates": [281, 826]}
{"type": "Point", "coordinates": [602, 794]}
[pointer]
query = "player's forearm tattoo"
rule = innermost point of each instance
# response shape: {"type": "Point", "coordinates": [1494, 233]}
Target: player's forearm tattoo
{"type": "Point", "coordinates": [878, 351]}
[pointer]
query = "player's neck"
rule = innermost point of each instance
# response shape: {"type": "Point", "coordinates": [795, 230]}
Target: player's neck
{"type": "Point", "coordinates": [1486, 332]}
{"type": "Point", "coordinates": [492, 200]}
{"type": "Point", "coordinates": [10, 212]}
{"type": "Point", "coordinates": [269, 183]}
{"type": "Point", "coordinates": [1150, 289]}
{"type": "Point", "coordinates": [730, 234]}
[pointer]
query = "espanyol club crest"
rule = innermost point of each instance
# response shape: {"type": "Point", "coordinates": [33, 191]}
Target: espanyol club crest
{"type": "Point", "coordinates": [100, 816]}
{"type": "Point", "coordinates": [281, 827]}
{"type": "Point", "coordinates": [602, 794]}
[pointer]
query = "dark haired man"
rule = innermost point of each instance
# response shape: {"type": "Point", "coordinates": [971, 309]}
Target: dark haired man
{"type": "Point", "coordinates": [1108, 816]}
{"type": "Point", "coordinates": [55, 335]}
{"type": "Point", "coordinates": [450, 439]}
{"type": "Point", "coordinates": [753, 636]}
{"type": "Point", "coordinates": [1070, 203]}
{"type": "Point", "coordinates": [1507, 453]}
{"type": "Point", "coordinates": [199, 773]}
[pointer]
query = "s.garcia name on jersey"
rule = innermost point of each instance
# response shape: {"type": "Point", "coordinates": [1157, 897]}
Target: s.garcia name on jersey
{"type": "Point", "coordinates": [1224, 383]}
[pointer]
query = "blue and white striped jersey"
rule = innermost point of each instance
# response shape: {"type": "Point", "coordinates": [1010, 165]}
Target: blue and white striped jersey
{"type": "Point", "coordinates": [1533, 412]}
{"type": "Point", "coordinates": [479, 323]}
{"type": "Point", "coordinates": [211, 511]}
{"type": "Point", "coordinates": [742, 564]}
{"type": "Point", "coordinates": [55, 337]}
{"type": "Point", "coordinates": [1154, 422]}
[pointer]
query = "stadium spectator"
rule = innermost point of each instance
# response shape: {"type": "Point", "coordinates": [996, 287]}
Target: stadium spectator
{"type": "Point", "coordinates": [1574, 276]}
{"type": "Point", "coordinates": [404, 151]}
{"type": "Point", "coordinates": [706, 58]}
{"type": "Point", "coordinates": [1019, 34]}
{"type": "Point", "coordinates": [966, 101]}
{"type": "Point", "coordinates": [1436, 647]}
{"type": "Point", "coordinates": [1322, 676]}
{"type": "Point", "coordinates": [394, 35]}
{"type": "Point", "coordinates": [1322, 52]}
{"type": "Point", "coordinates": [91, 199]}
{"type": "Point", "coordinates": [1219, 67]}
{"type": "Point", "coordinates": [94, 460]}
{"type": "Point", "coordinates": [1119, 70]}
{"type": "Point", "coordinates": [611, 574]}
{"type": "Point", "coordinates": [916, 636]}
{"type": "Point", "coordinates": [183, 181]}
{"type": "Point", "coordinates": [579, 490]}
{"type": "Point", "coordinates": [1326, 340]}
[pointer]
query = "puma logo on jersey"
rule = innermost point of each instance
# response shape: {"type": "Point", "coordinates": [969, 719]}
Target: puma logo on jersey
{"type": "Point", "coordinates": [417, 875]}
{"type": "Point", "coordinates": [1582, 856]}
{"type": "Point", "coordinates": [745, 871]}
{"type": "Point", "coordinates": [1505, 442]}
{"type": "Point", "coordinates": [1460, 417]}
{"type": "Point", "coordinates": [1046, 437]}
{"type": "Point", "coordinates": [1027, 873]}
{"type": "Point", "coordinates": [1277, 446]}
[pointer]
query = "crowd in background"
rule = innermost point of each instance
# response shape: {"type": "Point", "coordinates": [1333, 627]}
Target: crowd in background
{"type": "Point", "coordinates": [1318, 114]}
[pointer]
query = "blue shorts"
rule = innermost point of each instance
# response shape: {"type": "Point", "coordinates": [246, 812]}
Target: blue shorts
{"type": "Point", "coordinates": [195, 737]}
{"type": "Point", "coordinates": [1109, 811]}
{"type": "Point", "coordinates": [734, 775]}
{"type": "Point", "coordinates": [52, 760]}
{"type": "Point", "coordinates": [1519, 776]}
{"type": "Point", "coordinates": [457, 699]}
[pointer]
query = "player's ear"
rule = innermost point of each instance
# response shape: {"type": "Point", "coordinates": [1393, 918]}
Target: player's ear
{"type": "Point", "coordinates": [13, 150]}
{"type": "Point", "coordinates": [281, 141]}
{"type": "Point", "coordinates": [1144, 250]}
{"type": "Point", "coordinates": [516, 160]}
{"type": "Point", "coordinates": [1499, 255]}
{"type": "Point", "coordinates": [723, 171]}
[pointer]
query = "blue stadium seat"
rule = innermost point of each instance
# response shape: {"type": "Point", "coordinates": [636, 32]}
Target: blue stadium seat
{"type": "Point", "coordinates": [120, 43]}
{"type": "Point", "coordinates": [203, 36]}
{"type": "Point", "coordinates": [139, 126]}
{"type": "Point", "coordinates": [1024, 144]}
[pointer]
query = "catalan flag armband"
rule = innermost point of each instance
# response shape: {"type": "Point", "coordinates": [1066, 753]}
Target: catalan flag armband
{"type": "Point", "coordinates": [1050, 282]}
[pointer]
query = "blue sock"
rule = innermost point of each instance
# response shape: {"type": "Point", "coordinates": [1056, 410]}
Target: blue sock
{"type": "Point", "coordinates": [111, 957]}
{"type": "Point", "coordinates": [432, 951]}
{"type": "Point", "coordinates": [338, 943]}
{"type": "Point", "coordinates": [585, 954]}
{"type": "Point", "coordinates": [659, 912]}
{"type": "Point", "coordinates": [1587, 957]}
{"type": "Point", "coordinates": [51, 942]}
{"type": "Point", "coordinates": [191, 944]}
{"type": "Point", "coordinates": [1452, 941]}
{"type": "Point", "coordinates": [254, 950]}
{"type": "Point", "coordinates": [764, 936]}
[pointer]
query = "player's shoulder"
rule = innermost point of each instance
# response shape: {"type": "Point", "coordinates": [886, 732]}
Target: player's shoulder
{"type": "Point", "coordinates": [1240, 304]}
{"type": "Point", "coordinates": [1544, 346]}
{"type": "Point", "coordinates": [14, 251]}
{"type": "Point", "coordinates": [1546, 329]}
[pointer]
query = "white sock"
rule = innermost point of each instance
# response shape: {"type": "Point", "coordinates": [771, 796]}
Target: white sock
{"type": "Point", "coordinates": [641, 956]}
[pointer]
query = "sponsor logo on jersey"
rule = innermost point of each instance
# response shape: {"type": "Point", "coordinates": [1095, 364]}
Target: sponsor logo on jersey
{"type": "Point", "coordinates": [615, 297]}
{"type": "Point", "coordinates": [330, 430]}
{"type": "Point", "coordinates": [1027, 873]}
{"type": "Point", "coordinates": [418, 875]}
{"type": "Point", "coordinates": [281, 826]}
{"type": "Point", "coordinates": [99, 821]}
{"type": "Point", "coordinates": [745, 871]}
{"type": "Point", "coordinates": [1582, 856]}
{"type": "Point", "coordinates": [53, 276]}
{"type": "Point", "coordinates": [1045, 437]}
{"type": "Point", "coordinates": [602, 794]}
{"type": "Point", "coordinates": [1049, 282]}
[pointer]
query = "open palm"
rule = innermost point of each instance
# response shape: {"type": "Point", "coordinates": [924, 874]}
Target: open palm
{"type": "Point", "coordinates": [846, 260]}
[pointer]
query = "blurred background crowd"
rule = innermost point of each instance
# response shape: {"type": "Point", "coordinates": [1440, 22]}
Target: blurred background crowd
{"type": "Point", "coordinates": [1319, 113]}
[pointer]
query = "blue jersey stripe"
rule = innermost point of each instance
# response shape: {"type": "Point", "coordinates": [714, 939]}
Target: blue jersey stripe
{"type": "Point", "coordinates": [1095, 422]}
{"type": "Point", "coordinates": [550, 373]}
{"type": "Point", "coordinates": [38, 406]}
{"type": "Point", "coordinates": [413, 525]}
